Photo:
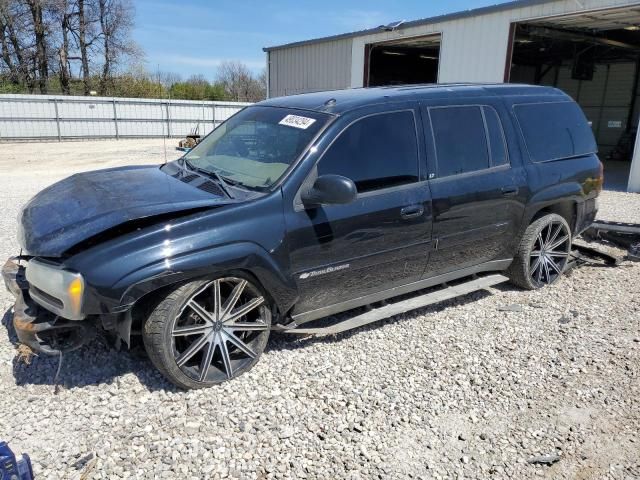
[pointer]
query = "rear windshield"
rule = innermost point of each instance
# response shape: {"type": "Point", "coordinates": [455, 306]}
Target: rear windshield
{"type": "Point", "coordinates": [257, 145]}
{"type": "Point", "coordinates": [553, 131]}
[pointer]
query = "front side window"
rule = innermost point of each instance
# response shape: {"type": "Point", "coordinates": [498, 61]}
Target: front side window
{"type": "Point", "coordinates": [375, 152]}
{"type": "Point", "coordinates": [257, 145]}
{"type": "Point", "coordinates": [460, 139]}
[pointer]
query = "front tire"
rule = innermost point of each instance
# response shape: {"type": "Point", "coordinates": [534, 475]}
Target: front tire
{"type": "Point", "coordinates": [542, 254]}
{"type": "Point", "coordinates": [206, 332]}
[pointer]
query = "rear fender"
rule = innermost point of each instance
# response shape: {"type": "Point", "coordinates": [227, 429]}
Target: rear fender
{"type": "Point", "coordinates": [556, 194]}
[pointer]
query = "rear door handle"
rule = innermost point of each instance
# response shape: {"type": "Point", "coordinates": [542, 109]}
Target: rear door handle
{"type": "Point", "coordinates": [412, 211]}
{"type": "Point", "coordinates": [509, 191]}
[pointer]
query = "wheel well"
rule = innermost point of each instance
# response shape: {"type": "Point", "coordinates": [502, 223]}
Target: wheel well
{"type": "Point", "coordinates": [145, 304]}
{"type": "Point", "coordinates": [566, 209]}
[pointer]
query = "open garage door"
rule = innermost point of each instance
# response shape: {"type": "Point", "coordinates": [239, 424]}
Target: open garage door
{"type": "Point", "coordinates": [402, 62]}
{"type": "Point", "coordinates": [594, 57]}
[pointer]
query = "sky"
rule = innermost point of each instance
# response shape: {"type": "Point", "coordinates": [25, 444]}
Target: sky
{"type": "Point", "coordinates": [193, 36]}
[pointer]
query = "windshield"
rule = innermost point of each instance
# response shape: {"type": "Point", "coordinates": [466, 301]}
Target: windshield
{"type": "Point", "coordinates": [256, 146]}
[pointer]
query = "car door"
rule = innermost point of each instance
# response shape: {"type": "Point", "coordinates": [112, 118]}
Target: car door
{"type": "Point", "coordinates": [477, 195]}
{"type": "Point", "coordinates": [380, 240]}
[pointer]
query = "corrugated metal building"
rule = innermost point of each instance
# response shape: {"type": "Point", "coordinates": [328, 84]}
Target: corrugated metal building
{"type": "Point", "coordinates": [588, 48]}
{"type": "Point", "coordinates": [61, 117]}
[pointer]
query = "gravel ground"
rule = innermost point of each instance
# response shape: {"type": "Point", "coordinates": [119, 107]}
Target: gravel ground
{"type": "Point", "coordinates": [472, 388]}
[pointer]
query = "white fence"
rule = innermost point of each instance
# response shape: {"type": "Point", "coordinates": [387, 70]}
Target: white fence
{"type": "Point", "coordinates": [59, 117]}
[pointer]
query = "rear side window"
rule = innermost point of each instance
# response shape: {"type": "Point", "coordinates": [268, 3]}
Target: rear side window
{"type": "Point", "coordinates": [375, 152]}
{"type": "Point", "coordinates": [555, 130]}
{"type": "Point", "coordinates": [460, 139]}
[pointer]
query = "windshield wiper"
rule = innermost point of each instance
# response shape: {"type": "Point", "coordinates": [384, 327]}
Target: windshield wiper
{"type": "Point", "coordinates": [210, 173]}
{"type": "Point", "coordinates": [237, 183]}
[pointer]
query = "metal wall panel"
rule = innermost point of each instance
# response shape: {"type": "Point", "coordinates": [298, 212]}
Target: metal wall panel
{"type": "Point", "coordinates": [474, 49]}
{"type": "Point", "coordinates": [620, 84]}
{"type": "Point", "coordinates": [310, 68]}
{"type": "Point", "coordinates": [477, 51]}
{"type": "Point", "coordinates": [570, 86]}
{"type": "Point", "coordinates": [223, 112]}
{"type": "Point", "coordinates": [28, 129]}
{"type": "Point", "coordinates": [181, 129]}
{"type": "Point", "coordinates": [613, 123]}
{"type": "Point", "coordinates": [88, 129]}
{"type": "Point", "coordinates": [142, 129]}
{"type": "Point", "coordinates": [35, 109]}
{"type": "Point", "coordinates": [605, 100]}
{"type": "Point", "coordinates": [60, 117]}
{"type": "Point", "coordinates": [77, 110]}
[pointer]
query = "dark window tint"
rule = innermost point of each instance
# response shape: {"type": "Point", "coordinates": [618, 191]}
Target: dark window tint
{"type": "Point", "coordinates": [555, 130]}
{"type": "Point", "coordinates": [460, 138]}
{"type": "Point", "coordinates": [497, 144]}
{"type": "Point", "coordinates": [375, 152]}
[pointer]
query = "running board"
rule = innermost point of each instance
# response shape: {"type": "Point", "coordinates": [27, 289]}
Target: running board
{"type": "Point", "coordinates": [445, 293]}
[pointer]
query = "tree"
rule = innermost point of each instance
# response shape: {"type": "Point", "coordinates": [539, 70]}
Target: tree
{"type": "Point", "coordinates": [83, 24]}
{"type": "Point", "coordinates": [167, 79]}
{"type": "Point", "coordinates": [35, 7]}
{"type": "Point", "coordinates": [239, 83]}
{"type": "Point", "coordinates": [6, 53]}
{"type": "Point", "coordinates": [197, 87]}
{"type": "Point", "coordinates": [48, 43]}
{"type": "Point", "coordinates": [63, 17]}
{"type": "Point", "coordinates": [75, 46]}
{"type": "Point", "coordinates": [115, 26]}
{"type": "Point", "coordinates": [17, 53]}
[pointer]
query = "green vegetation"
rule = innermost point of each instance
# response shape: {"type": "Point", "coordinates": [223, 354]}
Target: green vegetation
{"type": "Point", "coordinates": [84, 47]}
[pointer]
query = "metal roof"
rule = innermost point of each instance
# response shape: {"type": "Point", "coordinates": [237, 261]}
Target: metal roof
{"type": "Point", "coordinates": [615, 18]}
{"type": "Point", "coordinates": [341, 101]}
{"type": "Point", "coordinates": [416, 23]}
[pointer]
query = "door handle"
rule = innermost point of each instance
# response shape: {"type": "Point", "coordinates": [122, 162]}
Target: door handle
{"type": "Point", "coordinates": [510, 191]}
{"type": "Point", "coordinates": [412, 211]}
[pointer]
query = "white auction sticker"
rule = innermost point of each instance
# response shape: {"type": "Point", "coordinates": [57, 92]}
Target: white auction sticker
{"type": "Point", "coordinates": [297, 121]}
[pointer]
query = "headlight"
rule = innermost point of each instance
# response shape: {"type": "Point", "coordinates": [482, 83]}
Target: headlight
{"type": "Point", "coordinates": [59, 291]}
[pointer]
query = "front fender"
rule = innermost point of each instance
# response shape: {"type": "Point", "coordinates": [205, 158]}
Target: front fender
{"type": "Point", "coordinates": [248, 236]}
{"type": "Point", "coordinates": [246, 256]}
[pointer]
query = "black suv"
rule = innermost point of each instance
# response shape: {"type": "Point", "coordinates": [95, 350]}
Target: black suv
{"type": "Point", "coordinates": [301, 207]}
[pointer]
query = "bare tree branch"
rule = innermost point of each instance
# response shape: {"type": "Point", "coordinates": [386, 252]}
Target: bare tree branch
{"type": "Point", "coordinates": [239, 82]}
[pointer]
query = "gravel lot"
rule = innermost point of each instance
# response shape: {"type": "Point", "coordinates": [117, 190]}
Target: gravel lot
{"type": "Point", "coordinates": [471, 388]}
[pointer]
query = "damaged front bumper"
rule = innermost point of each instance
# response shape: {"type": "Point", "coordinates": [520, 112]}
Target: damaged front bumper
{"type": "Point", "coordinates": [36, 327]}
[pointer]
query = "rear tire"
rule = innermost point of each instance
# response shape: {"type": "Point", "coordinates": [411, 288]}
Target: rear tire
{"type": "Point", "coordinates": [207, 332]}
{"type": "Point", "coordinates": [542, 254]}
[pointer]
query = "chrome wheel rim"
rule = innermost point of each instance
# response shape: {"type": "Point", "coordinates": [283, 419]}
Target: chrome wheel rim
{"type": "Point", "coordinates": [550, 253]}
{"type": "Point", "coordinates": [220, 330]}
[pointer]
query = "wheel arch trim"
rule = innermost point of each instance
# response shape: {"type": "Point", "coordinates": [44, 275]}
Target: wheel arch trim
{"type": "Point", "coordinates": [555, 199]}
{"type": "Point", "coordinates": [244, 256]}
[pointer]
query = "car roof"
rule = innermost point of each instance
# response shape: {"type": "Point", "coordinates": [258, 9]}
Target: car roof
{"type": "Point", "coordinates": [342, 101]}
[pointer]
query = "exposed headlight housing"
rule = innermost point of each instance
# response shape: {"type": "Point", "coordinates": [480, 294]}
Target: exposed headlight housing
{"type": "Point", "coordinates": [59, 291]}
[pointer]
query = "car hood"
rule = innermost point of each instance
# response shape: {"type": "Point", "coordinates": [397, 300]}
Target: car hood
{"type": "Point", "coordinates": [87, 204]}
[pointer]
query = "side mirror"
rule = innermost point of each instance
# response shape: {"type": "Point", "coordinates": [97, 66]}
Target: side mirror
{"type": "Point", "coordinates": [330, 190]}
